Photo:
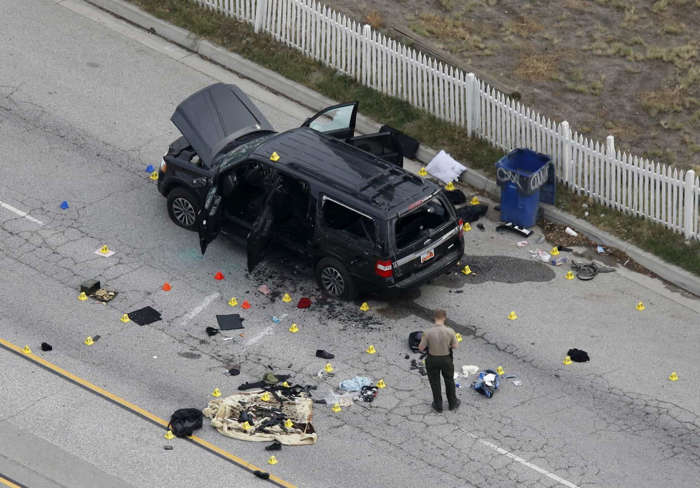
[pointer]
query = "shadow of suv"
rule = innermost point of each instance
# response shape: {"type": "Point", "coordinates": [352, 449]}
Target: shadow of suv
{"type": "Point", "coordinates": [343, 201]}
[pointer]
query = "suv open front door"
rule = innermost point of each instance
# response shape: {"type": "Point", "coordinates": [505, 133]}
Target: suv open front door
{"type": "Point", "coordinates": [210, 218]}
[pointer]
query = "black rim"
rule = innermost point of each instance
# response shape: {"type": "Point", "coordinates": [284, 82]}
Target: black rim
{"type": "Point", "coordinates": [332, 281]}
{"type": "Point", "coordinates": [183, 211]}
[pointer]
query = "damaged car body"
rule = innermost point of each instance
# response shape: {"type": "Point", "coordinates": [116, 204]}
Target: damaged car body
{"type": "Point", "coordinates": [343, 201]}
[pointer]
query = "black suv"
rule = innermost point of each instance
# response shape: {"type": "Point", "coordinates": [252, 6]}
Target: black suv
{"type": "Point", "coordinates": [344, 201]}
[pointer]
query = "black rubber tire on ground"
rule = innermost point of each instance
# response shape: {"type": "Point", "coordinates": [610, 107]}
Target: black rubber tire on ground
{"type": "Point", "coordinates": [334, 279]}
{"type": "Point", "coordinates": [183, 208]}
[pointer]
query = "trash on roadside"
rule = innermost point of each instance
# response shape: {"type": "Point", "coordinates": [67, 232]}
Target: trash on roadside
{"type": "Point", "coordinates": [487, 383]}
{"type": "Point", "coordinates": [571, 232]}
{"type": "Point", "coordinates": [275, 446]}
{"type": "Point", "coordinates": [168, 448]}
{"type": "Point", "coordinates": [211, 331]}
{"type": "Point", "coordinates": [230, 321]}
{"type": "Point", "coordinates": [558, 261]}
{"type": "Point", "coordinates": [341, 399]}
{"type": "Point", "coordinates": [601, 250]}
{"type": "Point", "coordinates": [45, 346]}
{"type": "Point", "coordinates": [469, 369]}
{"type": "Point", "coordinates": [456, 197]}
{"type": "Point", "coordinates": [481, 227]}
{"type": "Point", "coordinates": [578, 355]}
{"type": "Point", "coordinates": [304, 302]}
{"type": "Point", "coordinates": [145, 316]}
{"type": "Point", "coordinates": [541, 255]}
{"type": "Point", "coordinates": [323, 354]}
{"type": "Point", "coordinates": [103, 295]}
{"type": "Point", "coordinates": [472, 213]}
{"type": "Point", "coordinates": [509, 226]}
{"type": "Point", "coordinates": [355, 384]}
{"type": "Point", "coordinates": [586, 272]}
{"type": "Point", "coordinates": [269, 418]}
{"type": "Point", "coordinates": [444, 167]}
{"type": "Point", "coordinates": [264, 289]}
{"type": "Point", "coordinates": [185, 421]}
{"type": "Point", "coordinates": [89, 286]}
{"type": "Point", "coordinates": [521, 243]}
{"type": "Point", "coordinates": [368, 393]}
{"type": "Point", "coordinates": [234, 371]}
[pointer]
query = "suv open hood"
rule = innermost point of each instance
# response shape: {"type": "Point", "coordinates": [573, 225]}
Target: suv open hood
{"type": "Point", "coordinates": [214, 116]}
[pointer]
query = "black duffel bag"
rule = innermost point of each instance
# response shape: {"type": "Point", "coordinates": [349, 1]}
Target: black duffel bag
{"type": "Point", "coordinates": [185, 421]}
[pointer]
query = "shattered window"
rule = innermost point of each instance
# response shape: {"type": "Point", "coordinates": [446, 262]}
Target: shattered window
{"type": "Point", "coordinates": [338, 217]}
{"type": "Point", "coordinates": [421, 222]}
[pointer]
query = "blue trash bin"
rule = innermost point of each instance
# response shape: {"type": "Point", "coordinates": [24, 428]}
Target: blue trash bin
{"type": "Point", "coordinates": [525, 177]}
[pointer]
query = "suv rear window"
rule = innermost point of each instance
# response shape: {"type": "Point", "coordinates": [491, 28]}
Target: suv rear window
{"type": "Point", "coordinates": [421, 222]}
{"type": "Point", "coordinates": [338, 217]}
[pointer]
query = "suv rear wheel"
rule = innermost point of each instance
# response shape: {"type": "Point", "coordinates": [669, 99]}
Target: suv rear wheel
{"type": "Point", "coordinates": [334, 279]}
{"type": "Point", "coordinates": [183, 207]}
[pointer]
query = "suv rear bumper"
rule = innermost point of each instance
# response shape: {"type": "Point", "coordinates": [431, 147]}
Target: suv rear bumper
{"type": "Point", "coordinates": [430, 272]}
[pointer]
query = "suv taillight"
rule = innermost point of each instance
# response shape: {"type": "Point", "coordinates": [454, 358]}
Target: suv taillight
{"type": "Point", "coordinates": [461, 224]}
{"type": "Point", "coordinates": [384, 269]}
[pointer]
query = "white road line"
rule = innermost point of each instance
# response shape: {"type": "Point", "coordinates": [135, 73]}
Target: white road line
{"type": "Point", "coordinates": [196, 310]}
{"type": "Point", "coordinates": [522, 461]}
{"type": "Point", "coordinates": [20, 213]}
{"type": "Point", "coordinates": [266, 332]}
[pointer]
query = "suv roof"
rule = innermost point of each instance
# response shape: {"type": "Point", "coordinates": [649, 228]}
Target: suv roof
{"type": "Point", "coordinates": [366, 180]}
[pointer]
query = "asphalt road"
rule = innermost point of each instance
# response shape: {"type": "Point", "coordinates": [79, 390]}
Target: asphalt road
{"type": "Point", "coordinates": [85, 102]}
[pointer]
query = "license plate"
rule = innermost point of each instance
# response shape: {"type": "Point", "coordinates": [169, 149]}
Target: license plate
{"type": "Point", "coordinates": [427, 256]}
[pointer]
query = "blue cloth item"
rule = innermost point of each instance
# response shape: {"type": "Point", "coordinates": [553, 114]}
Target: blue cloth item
{"type": "Point", "coordinates": [355, 384]}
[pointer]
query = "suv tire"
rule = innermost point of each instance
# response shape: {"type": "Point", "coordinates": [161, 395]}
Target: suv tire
{"type": "Point", "coordinates": [183, 208]}
{"type": "Point", "coordinates": [334, 279]}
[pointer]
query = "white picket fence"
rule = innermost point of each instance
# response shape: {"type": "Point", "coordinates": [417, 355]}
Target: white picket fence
{"type": "Point", "coordinates": [621, 181]}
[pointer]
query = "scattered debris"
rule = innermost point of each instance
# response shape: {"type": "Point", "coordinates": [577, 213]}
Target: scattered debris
{"type": "Point", "coordinates": [268, 418]}
{"type": "Point", "coordinates": [145, 316]}
{"type": "Point", "coordinates": [487, 383]}
{"type": "Point", "coordinates": [234, 371]}
{"type": "Point", "coordinates": [355, 384]}
{"type": "Point", "coordinates": [456, 197]}
{"type": "Point", "coordinates": [541, 255]}
{"type": "Point", "coordinates": [369, 393]}
{"type": "Point", "coordinates": [89, 286]}
{"type": "Point", "coordinates": [230, 321]}
{"type": "Point", "coordinates": [304, 302]}
{"type": "Point", "coordinates": [469, 369]}
{"type": "Point", "coordinates": [275, 446]}
{"type": "Point", "coordinates": [509, 226]}
{"type": "Point", "coordinates": [262, 474]}
{"type": "Point", "coordinates": [185, 421]}
{"type": "Point", "coordinates": [558, 261]}
{"type": "Point", "coordinates": [472, 212]}
{"type": "Point", "coordinates": [211, 331]}
{"type": "Point", "coordinates": [264, 289]}
{"type": "Point", "coordinates": [521, 243]}
{"type": "Point", "coordinates": [414, 340]}
{"type": "Point", "coordinates": [578, 355]}
{"type": "Point", "coordinates": [103, 295]}
{"type": "Point", "coordinates": [45, 346]}
{"type": "Point", "coordinates": [321, 353]}
{"type": "Point", "coordinates": [480, 227]}
{"type": "Point", "coordinates": [444, 167]}
{"type": "Point", "coordinates": [600, 250]}
{"type": "Point", "coordinates": [168, 448]}
{"type": "Point", "coordinates": [571, 232]}
{"type": "Point", "coordinates": [586, 272]}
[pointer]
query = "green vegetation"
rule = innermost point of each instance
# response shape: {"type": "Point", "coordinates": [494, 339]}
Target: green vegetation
{"type": "Point", "coordinates": [476, 153]}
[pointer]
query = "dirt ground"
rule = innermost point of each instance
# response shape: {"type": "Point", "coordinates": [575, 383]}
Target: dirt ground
{"type": "Point", "coordinates": [623, 67]}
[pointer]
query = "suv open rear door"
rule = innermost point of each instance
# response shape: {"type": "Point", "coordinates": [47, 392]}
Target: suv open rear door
{"type": "Point", "coordinates": [260, 234]}
{"type": "Point", "coordinates": [336, 121]}
{"type": "Point", "coordinates": [210, 218]}
{"type": "Point", "coordinates": [339, 121]}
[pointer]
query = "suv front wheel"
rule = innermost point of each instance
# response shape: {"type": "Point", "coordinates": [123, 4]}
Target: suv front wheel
{"type": "Point", "coordinates": [183, 207]}
{"type": "Point", "coordinates": [334, 279]}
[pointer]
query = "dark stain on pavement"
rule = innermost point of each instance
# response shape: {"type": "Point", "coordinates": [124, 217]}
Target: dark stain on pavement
{"type": "Point", "coordinates": [502, 269]}
{"type": "Point", "coordinates": [189, 355]}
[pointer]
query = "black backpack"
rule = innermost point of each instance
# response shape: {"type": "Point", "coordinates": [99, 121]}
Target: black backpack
{"type": "Point", "coordinates": [185, 421]}
{"type": "Point", "coordinates": [414, 340]}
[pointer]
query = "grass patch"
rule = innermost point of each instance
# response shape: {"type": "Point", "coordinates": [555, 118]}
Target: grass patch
{"type": "Point", "coordinates": [475, 153]}
{"type": "Point", "coordinates": [535, 67]}
{"type": "Point", "coordinates": [450, 29]}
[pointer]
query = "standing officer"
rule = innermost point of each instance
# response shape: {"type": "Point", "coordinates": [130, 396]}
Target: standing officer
{"type": "Point", "coordinates": [439, 341]}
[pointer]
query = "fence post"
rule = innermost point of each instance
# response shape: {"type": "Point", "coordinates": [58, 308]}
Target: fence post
{"type": "Point", "coordinates": [260, 12]}
{"type": "Point", "coordinates": [688, 205]}
{"type": "Point", "coordinates": [608, 180]}
{"type": "Point", "coordinates": [565, 133]}
{"type": "Point", "coordinates": [474, 104]}
{"type": "Point", "coordinates": [366, 37]}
